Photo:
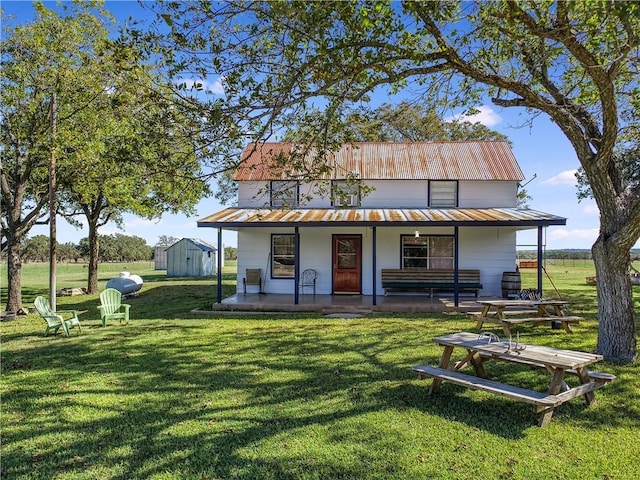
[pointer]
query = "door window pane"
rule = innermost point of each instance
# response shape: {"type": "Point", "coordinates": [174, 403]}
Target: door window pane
{"type": "Point", "coordinates": [347, 254]}
{"type": "Point", "coordinates": [346, 261]}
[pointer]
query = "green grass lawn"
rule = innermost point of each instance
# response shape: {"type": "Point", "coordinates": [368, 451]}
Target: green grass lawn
{"type": "Point", "coordinates": [176, 396]}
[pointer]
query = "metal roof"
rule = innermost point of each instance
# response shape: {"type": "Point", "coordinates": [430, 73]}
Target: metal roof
{"type": "Point", "coordinates": [324, 217]}
{"type": "Point", "coordinates": [201, 244]}
{"type": "Point", "coordinates": [467, 160]}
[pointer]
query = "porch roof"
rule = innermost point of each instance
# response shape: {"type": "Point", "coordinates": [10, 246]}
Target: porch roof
{"type": "Point", "coordinates": [232, 218]}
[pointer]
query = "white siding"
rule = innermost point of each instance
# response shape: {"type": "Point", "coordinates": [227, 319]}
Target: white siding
{"type": "Point", "coordinates": [184, 259]}
{"type": "Point", "coordinates": [392, 193]}
{"type": "Point", "coordinates": [492, 250]}
{"type": "Point", "coordinates": [160, 257]}
{"type": "Point", "coordinates": [250, 194]}
{"type": "Point", "coordinates": [396, 193]}
{"type": "Point", "coordinates": [487, 194]}
{"type": "Point", "coordinates": [488, 249]}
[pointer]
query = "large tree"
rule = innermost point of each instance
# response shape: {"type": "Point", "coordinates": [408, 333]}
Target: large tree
{"type": "Point", "coordinates": [123, 142]}
{"type": "Point", "coordinates": [43, 63]}
{"type": "Point", "coordinates": [574, 61]}
{"type": "Point", "coordinates": [413, 122]}
{"type": "Point", "coordinates": [138, 151]}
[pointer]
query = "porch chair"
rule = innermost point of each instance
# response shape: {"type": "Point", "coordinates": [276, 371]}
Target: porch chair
{"type": "Point", "coordinates": [56, 319]}
{"type": "Point", "coordinates": [253, 276]}
{"type": "Point", "coordinates": [308, 279]}
{"type": "Point", "coordinates": [112, 308]}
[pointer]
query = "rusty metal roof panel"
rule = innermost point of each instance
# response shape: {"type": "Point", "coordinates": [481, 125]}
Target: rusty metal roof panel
{"type": "Point", "coordinates": [249, 217]}
{"type": "Point", "coordinates": [468, 160]}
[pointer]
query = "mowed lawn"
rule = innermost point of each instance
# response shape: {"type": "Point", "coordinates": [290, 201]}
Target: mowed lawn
{"type": "Point", "coordinates": [177, 396]}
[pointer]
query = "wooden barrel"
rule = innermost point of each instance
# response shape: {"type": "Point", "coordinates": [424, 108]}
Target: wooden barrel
{"type": "Point", "coordinates": [511, 284]}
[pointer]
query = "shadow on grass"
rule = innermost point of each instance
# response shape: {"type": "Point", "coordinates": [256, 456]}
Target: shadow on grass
{"type": "Point", "coordinates": [159, 301]}
{"type": "Point", "coordinates": [502, 417]}
{"type": "Point", "coordinates": [185, 380]}
{"type": "Point", "coordinates": [138, 400]}
{"type": "Point", "coordinates": [509, 418]}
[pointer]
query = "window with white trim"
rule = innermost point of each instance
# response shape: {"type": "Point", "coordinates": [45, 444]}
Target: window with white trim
{"type": "Point", "coordinates": [284, 193]}
{"type": "Point", "coordinates": [427, 251]}
{"type": "Point", "coordinates": [345, 193]}
{"type": "Point", "coordinates": [282, 256]}
{"type": "Point", "coordinates": [443, 193]}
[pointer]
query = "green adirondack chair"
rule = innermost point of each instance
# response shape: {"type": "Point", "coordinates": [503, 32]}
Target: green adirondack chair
{"type": "Point", "coordinates": [56, 319]}
{"type": "Point", "coordinates": [112, 308]}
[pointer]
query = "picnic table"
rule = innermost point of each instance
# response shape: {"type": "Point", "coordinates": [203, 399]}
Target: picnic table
{"type": "Point", "coordinates": [535, 312]}
{"type": "Point", "coordinates": [483, 347]}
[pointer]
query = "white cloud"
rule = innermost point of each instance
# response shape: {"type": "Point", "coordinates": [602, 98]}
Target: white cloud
{"type": "Point", "coordinates": [209, 86]}
{"type": "Point", "coordinates": [591, 209]}
{"type": "Point", "coordinates": [577, 234]}
{"type": "Point", "coordinates": [138, 222]}
{"type": "Point", "coordinates": [110, 230]}
{"type": "Point", "coordinates": [486, 115]}
{"type": "Point", "coordinates": [568, 177]}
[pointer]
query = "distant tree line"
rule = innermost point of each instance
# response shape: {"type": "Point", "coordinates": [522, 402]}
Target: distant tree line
{"type": "Point", "coordinates": [569, 254]}
{"type": "Point", "coordinates": [230, 253]}
{"type": "Point", "coordinates": [113, 248]}
{"type": "Point", "coordinates": [565, 254]}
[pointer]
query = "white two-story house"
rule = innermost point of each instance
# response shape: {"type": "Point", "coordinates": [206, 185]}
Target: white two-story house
{"type": "Point", "coordinates": [444, 205]}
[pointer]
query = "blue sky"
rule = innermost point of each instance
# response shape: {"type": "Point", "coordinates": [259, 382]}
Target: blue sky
{"type": "Point", "coordinates": [541, 149]}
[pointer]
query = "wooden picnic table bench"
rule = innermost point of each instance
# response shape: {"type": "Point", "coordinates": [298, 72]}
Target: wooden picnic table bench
{"type": "Point", "coordinates": [538, 311]}
{"type": "Point", "coordinates": [542, 401]}
{"type": "Point", "coordinates": [481, 348]}
{"type": "Point", "coordinates": [430, 279]}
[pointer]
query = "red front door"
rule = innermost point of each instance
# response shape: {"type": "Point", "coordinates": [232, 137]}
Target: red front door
{"type": "Point", "coordinates": [347, 264]}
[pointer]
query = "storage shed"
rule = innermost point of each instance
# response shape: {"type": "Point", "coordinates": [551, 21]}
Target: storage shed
{"type": "Point", "coordinates": [160, 257]}
{"type": "Point", "coordinates": [191, 257]}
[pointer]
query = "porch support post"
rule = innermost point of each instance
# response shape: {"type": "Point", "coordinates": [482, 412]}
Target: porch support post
{"type": "Point", "coordinates": [219, 266]}
{"type": "Point", "coordinates": [540, 259]}
{"type": "Point", "coordinates": [456, 286]}
{"type": "Point", "coordinates": [296, 268]}
{"type": "Point", "coordinates": [374, 246]}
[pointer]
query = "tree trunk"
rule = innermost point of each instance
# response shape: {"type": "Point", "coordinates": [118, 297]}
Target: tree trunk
{"type": "Point", "coordinates": [94, 250]}
{"type": "Point", "coordinates": [616, 326]}
{"type": "Point", "coordinates": [14, 272]}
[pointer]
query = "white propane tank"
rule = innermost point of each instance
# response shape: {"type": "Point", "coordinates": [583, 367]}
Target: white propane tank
{"type": "Point", "coordinates": [126, 283]}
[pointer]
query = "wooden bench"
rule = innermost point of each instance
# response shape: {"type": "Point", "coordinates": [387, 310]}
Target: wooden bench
{"type": "Point", "coordinates": [507, 323]}
{"type": "Point", "coordinates": [506, 312]}
{"type": "Point", "coordinates": [431, 279]}
{"type": "Point", "coordinates": [599, 378]}
{"type": "Point", "coordinates": [542, 402]}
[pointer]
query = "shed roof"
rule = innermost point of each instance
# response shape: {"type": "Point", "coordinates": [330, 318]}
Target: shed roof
{"type": "Point", "coordinates": [464, 160]}
{"type": "Point", "coordinates": [325, 217]}
{"type": "Point", "coordinates": [201, 244]}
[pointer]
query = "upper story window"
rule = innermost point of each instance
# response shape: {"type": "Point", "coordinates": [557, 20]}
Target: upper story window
{"type": "Point", "coordinates": [345, 193]}
{"type": "Point", "coordinates": [284, 193]}
{"type": "Point", "coordinates": [443, 193]}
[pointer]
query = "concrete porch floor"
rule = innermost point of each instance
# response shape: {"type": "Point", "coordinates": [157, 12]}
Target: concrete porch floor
{"type": "Point", "coordinates": [272, 302]}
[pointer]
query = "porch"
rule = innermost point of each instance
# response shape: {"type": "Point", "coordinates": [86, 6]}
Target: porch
{"type": "Point", "coordinates": [397, 303]}
{"type": "Point", "coordinates": [349, 247]}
